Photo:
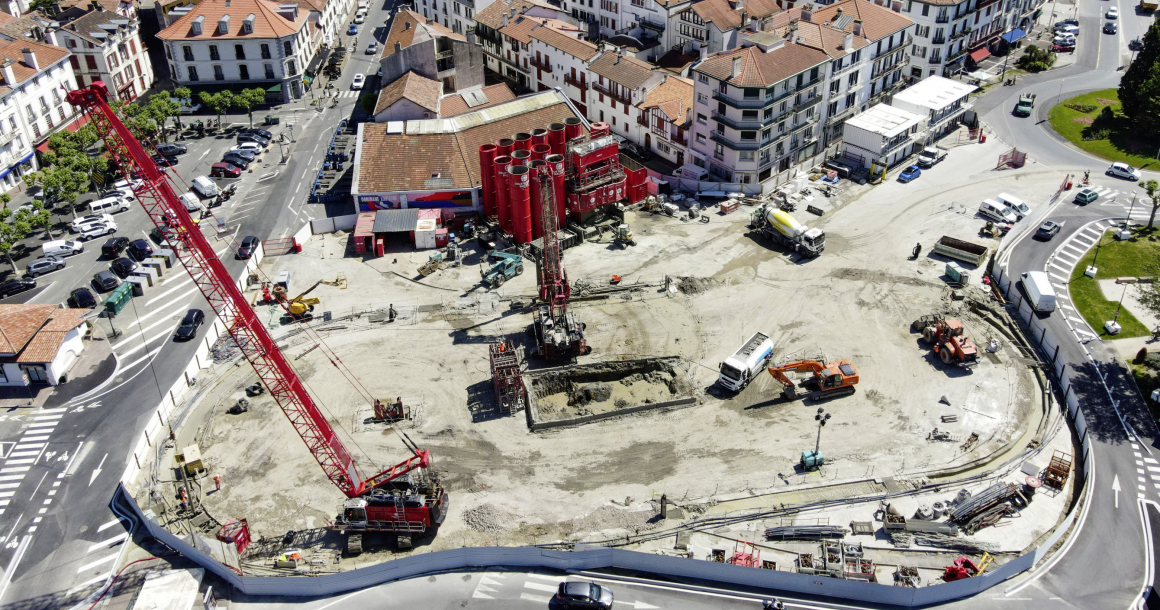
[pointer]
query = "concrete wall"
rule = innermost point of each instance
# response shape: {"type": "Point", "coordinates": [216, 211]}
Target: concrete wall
{"type": "Point", "coordinates": [403, 110]}
{"type": "Point", "coordinates": [420, 58]}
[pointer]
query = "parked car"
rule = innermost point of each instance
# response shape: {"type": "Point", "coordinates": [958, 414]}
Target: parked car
{"type": "Point", "coordinates": [123, 267]}
{"type": "Point", "coordinates": [1113, 13]}
{"type": "Point", "coordinates": [253, 147]}
{"type": "Point", "coordinates": [141, 249]}
{"type": "Point", "coordinates": [1110, 27]}
{"type": "Point", "coordinates": [909, 174]}
{"type": "Point", "coordinates": [248, 155]}
{"type": "Point", "coordinates": [1123, 170]}
{"type": "Point", "coordinates": [262, 133]}
{"type": "Point", "coordinates": [1047, 230]}
{"type": "Point", "coordinates": [189, 325]}
{"type": "Point", "coordinates": [82, 298]}
{"type": "Point", "coordinates": [164, 161]}
{"type": "Point", "coordinates": [1063, 47]}
{"type": "Point", "coordinates": [224, 170]}
{"type": "Point", "coordinates": [93, 231]}
{"type": "Point", "coordinates": [249, 245]}
{"type": "Point", "coordinates": [105, 281]}
{"type": "Point", "coordinates": [1067, 29]}
{"type": "Point", "coordinates": [125, 184]}
{"type": "Point", "coordinates": [170, 149]}
{"type": "Point", "coordinates": [1086, 196]}
{"type": "Point", "coordinates": [90, 219]}
{"type": "Point", "coordinates": [352, 30]}
{"type": "Point", "coordinates": [114, 246]}
{"type": "Point", "coordinates": [43, 265]}
{"type": "Point", "coordinates": [583, 595]}
{"type": "Point", "coordinates": [358, 81]}
{"type": "Point", "coordinates": [1064, 22]}
{"type": "Point", "coordinates": [372, 47]}
{"type": "Point", "coordinates": [236, 160]}
{"type": "Point", "coordinates": [360, 17]}
{"type": "Point", "coordinates": [12, 287]}
{"type": "Point", "coordinates": [252, 137]}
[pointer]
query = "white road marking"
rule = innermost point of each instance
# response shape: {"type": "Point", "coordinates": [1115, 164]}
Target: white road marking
{"type": "Point", "coordinates": [539, 587]}
{"type": "Point", "coordinates": [110, 542]}
{"type": "Point", "coordinates": [180, 296]}
{"type": "Point", "coordinates": [108, 525]}
{"type": "Point", "coordinates": [88, 583]}
{"type": "Point", "coordinates": [540, 599]}
{"type": "Point", "coordinates": [129, 338]}
{"type": "Point", "coordinates": [147, 342]}
{"type": "Point", "coordinates": [103, 560]}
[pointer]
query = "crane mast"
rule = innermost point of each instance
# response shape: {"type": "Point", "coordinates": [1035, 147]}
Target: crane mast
{"type": "Point", "coordinates": [160, 200]}
{"type": "Point", "coordinates": [559, 332]}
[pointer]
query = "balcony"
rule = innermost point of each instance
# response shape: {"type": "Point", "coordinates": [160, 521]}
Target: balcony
{"type": "Point", "coordinates": [736, 103]}
{"type": "Point", "coordinates": [444, 54]}
{"type": "Point", "coordinates": [943, 19]}
{"type": "Point", "coordinates": [546, 66]}
{"type": "Point", "coordinates": [938, 40]}
{"type": "Point", "coordinates": [960, 34]}
{"type": "Point", "coordinates": [8, 137]}
{"type": "Point", "coordinates": [935, 59]}
{"type": "Point", "coordinates": [675, 139]}
{"type": "Point", "coordinates": [844, 69]}
{"type": "Point", "coordinates": [841, 115]}
{"type": "Point", "coordinates": [809, 83]}
{"type": "Point", "coordinates": [806, 103]}
{"type": "Point", "coordinates": [885, 70]}
{"type": "Point", "coordinates": [743, 145]}
{"type": "Point", "coordinates": [738, 124]}
{"type": "Point", "coordinates": [956, 55]}
{"type": "Point", "coordinates": [606, 90]}
{"type": "Point", "coordinates": [579, 84]}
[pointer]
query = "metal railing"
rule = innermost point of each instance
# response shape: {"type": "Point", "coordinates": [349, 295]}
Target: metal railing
{"type": "Point", "coordinates": [738, 124]}
{"type": "Point", "coordinates": [742, 145]}
{"type": "Point", "coordinates": [841, 115]}
{"type": "Point", "coordinates": [736, 103]}
{"type": "Point", "coordinates": [807, 103]}
{"type": "Point", "coordinates": [546, 66]}
{"type": "Point", "coordinates": [942, 18]}
{"type": "Point", "coordinates": [606, 90]}
{"type": "Point", "coordinates": [884, 70]}
{"type": "Point", "coordinates": [579, 84]}
{"type": "Point", "coordinates": [938, 40]}
{"type": "Point", "coordinates": [935, 59]}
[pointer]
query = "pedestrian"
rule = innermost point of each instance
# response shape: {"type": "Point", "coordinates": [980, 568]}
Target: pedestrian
{"type": "Point", "coordinates": [217, 482]}
{"type": "Point", "coordinates": [391, 313]}
{"type": "Point", "coordinates": [917, 250]}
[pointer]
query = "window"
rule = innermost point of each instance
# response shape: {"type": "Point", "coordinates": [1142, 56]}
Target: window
{"type": "Point", "coordinates": [853, 79]}
{"type": "Point", "coordinates": [243, 72]}
{"type": "Point", "coordinates": [72, 44]}
{"type": "Point", "coordinates": [700, 138]}
{"type": "Point", "coordinates": [35, 129]}
{"type": "Point", "coordinates": [749, 136]}
{"type": "Point", "coordinates": [31, 113]}
{"type": "Point", "coordinates": [12, 122]}
{"type": "Point", "coordinates": [91, 62]}
{"type": "Point", "coordinates": [269, 71]}
{"type": "Point", "coordinates": [291, 68]}
{"type": "Point", "coordinates": [213, 53]}
{"type": "Point", "coordinates": [218, 74]}
{"type": "Point", "coordinates": [835, 85]}
{"type": "Point", "coordinates": [925, 10]}
{"type": "Point", "coordinates": [60, 112]}
{"type": "Point", "coordinates": [749, 116]}
{"type": "Point", "coordinates": [76, 64]}
{"type": "Point", "coordinates": [192, 73]}
{"type": "Point", "coordinates": [702, 78]}
{"type": "Point", "coordinates": [702, 119]}
{"type": "Point", "coordinates": [702, 98]}
{"type": "Point", "coordinates": [745, 155]}
{"type": "Point", "coordinates": [832, 109]}
{"type": "Point", "coordinates": [265, 51]}
{"type": "Point", "coordinates": [751, 94]}
{"type": "Point", "coordinates": [287, 47]}
{"type": "Point", "coordinates": [187, 51]}
{"type": "Point", "coordinates": [239, 52]}
{"type": "Point", "coordinates": [851, 100]}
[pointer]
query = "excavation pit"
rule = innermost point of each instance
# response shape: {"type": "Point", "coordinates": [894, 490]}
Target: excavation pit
{"type": "Point", "coordinates": [580, 394]}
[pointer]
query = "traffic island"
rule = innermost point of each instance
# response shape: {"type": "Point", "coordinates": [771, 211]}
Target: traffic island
{"type": "Point", "coordinates": [1094, 123]}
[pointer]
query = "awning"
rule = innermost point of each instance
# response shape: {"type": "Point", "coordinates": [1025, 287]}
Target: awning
{"type": "Point", "coordinates": [1014, 35]}
{"type": "Point", "coordinates": [980, 54]}
{"type": "Point", "coordinates": [275, 89]}
{"type": "Point", "coordinates": [306, 80]}
{"type": "Point", "coordinates": [396, 221]}
{"type": "Point", "coordinates": [22, 160]}
{"type": "Point", "coordinates": [318, 60]}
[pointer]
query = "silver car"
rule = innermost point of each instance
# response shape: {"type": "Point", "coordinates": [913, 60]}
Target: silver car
{"type": "Point", "coordinates": [43, 265]}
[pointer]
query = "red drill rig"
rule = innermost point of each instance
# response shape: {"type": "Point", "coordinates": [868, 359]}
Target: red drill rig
{"type": "Point", "coordinates": [559, 333]}
{"type": "Point", "coordinates": [403, 498]}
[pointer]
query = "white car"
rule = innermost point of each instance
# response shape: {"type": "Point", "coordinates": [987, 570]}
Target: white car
{"type": "Point", "coordinates": [359, 18]}
{"type": "Point", "coordinates": [1113, 13]}
{"type": "Point", "coordinates": [82, 221]}
{"type": "Point", "coordinates": [98, 229]}
{"type": "Point", "coordinates": [1123, 170]}
{"type": "Point", "coordinates": [125, 184]}
{"type": "Point", "coordinates": [1067, 29]}
{"type": "Point", "coordinates": [358, 81]}
{"type": "Point", "coordinates": [125, 193]}
{"type": "Point", "coordinates": [253, 147]}
{"type": "Point", "coordinates": [372, 47]}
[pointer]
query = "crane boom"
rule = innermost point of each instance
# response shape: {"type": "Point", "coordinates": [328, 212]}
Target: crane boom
{"type": "Point", "coordinates": [160, 200]}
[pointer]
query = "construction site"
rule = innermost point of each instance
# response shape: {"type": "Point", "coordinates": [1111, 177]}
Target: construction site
{"type": "Point", "coordinates": [663, 377]}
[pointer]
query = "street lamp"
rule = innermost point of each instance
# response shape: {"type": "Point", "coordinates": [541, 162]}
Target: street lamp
{"type": "Point", "coordinates": [1111, 326]}
{"type": "Point", "coordinates": [1092, 269]}
{"type": "Point", "coordinates": [814, 460]}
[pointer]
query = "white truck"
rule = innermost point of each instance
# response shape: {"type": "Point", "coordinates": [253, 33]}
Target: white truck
{"type": "Point", "coordinates": [746, 363]}
{"type": "Point", "coordinates": [784, 229]}
{"type": "Point", "coordinates": [931, 155]}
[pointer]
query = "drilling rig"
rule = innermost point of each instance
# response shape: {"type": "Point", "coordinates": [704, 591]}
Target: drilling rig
{"type": "Point", "coordinates": [403, 498]}
{"type": "Point", "coordinates": [558, 332]}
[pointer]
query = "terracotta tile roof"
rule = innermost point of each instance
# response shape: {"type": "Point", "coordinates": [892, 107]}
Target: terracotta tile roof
{"type": "Point", "coordinates": [92, 21]}
{"type": "Point", "coordinates": [621, 69]}
{"type": "Point", "coordinates": [19, 323]}
{"type": "Point", "coordinates": [420, 90]}
{"type": "Point", "coordinates": [823, 38]}
{"type": "Point", "coordinates": [760, 69]}
{"type": "Point", "coordinates": [673, 97]}
{"type": "Point", "coordinates": [407, 161]}
{"type": "Point", "coordinates": [676, 61]}
{"type": "Point", "coordinates": [878, 22]}
{"type": "Point", "coordinates": [409, 25]}
{"type": "Point", "coordinates": [455, 104]}
{"type": "Point", "coordinates": [569, 44]}
{"type": "Point", "coordinates": [44, 346]}
{"type": "Point", "coordinates": [18, 28]}
{"type": "Point", "coordinates": [267, 22]}
{"type": "Point", "coordinates": [522, 26]}
{"type": "Point", "coordinates": [492, 16]}
{"type": "Point", "coordinates": [718, 12]}
{"type": "Point", "coordinates": [760, 9]}
{"type": "Point", "coordinates": [46, 55]}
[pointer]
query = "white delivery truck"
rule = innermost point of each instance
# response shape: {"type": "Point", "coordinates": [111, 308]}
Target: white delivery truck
{"type": "Point", "coordinates": [746, 363]}
{"type": "Point", "coordinates": [1040, 294]}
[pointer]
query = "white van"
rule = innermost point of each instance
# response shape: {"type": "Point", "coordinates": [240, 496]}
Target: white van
{"type": "Point", "coordinates": [996, 211]}
{"type": "Point", "coordinates": [1015, 204]}
{"type": "Point", "coordinates": [63, 247]}
{"type": "Point", "coordinates": [1040, 294]}
{"type": "Point", "coordinates": [205, 187]}
{"type": "Point", "coordinates": [109, 205]}
{"type": "Point", "coordinates": [363, 4]}
{"type": "Point", "coordinates": [191, 202]}
{"type": "Point", "coordinates": [746, 363]}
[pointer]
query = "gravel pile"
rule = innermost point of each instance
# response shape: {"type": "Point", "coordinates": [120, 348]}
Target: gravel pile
{"type": "Point", "coordinates": [487, 518]}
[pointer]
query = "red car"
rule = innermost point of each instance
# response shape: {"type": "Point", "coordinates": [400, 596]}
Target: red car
{"type": "Point", "coordinates": [224, 170]}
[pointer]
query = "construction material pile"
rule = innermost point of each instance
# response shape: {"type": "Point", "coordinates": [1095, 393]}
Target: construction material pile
{"type": "Point", "coordinates": [986, 508]}
{"type": "Point", "coordinates": [804, 532]}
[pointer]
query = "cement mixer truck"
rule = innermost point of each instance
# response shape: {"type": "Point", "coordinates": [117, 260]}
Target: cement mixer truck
{"type": "Point", "coordinates": [781, 228]}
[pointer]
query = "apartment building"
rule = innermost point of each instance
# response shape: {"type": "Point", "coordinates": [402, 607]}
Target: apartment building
{"type": "Point", "coordinates": [423, 46]}
{"type": "Point", "coordinates": [882, 137]}
{"type": "Point", "coordinates": [36, 78]}
{"type": "Point", "coordinates": [780, 99]}
{"type": "Point", "coordinates": [941, 102]}
{"type": "Point", "coordinates": [506, 54]}
{"type": "Point", "coordinates": [235, 44]}
{"type": "Point", "coordinates": [718, 25]}
{"type": "Point", "coordinates": [666, 114]}
{"type": "Point", "coordinates": [951, 36]}
{"type": "Point", "coordinates": [620, 83]}
{"type": "Point", "coordinates": [106, 46]}
{"type": "Point", "coordinates": [559, 60]}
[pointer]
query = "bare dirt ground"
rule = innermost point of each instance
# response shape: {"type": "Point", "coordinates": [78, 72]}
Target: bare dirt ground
{"type": "Point", "coordinates": [511, 486]}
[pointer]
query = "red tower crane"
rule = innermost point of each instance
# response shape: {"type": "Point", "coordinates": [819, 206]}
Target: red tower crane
{"type": "Point", "coordinates": [404, 497]}
{"type": "Point", "coordinates": [559, 332]}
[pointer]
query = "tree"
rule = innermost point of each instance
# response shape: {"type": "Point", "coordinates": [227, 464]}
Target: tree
{"type": "Point", "coordinates": [161, 109]}
{"type": "Point", "coordinates": [1035, 59]}
{"type": "Point", "coordinates": [13, 228]}
{"type": "Point", "coordinates": [1140, 85]}
{"type": "Point", "coordinates": [218, 102]}
{"type": "Point", "coordinates": [5, 198]}
{"type": "Point", "coordinates": [41, 218]}
{"type": "Point", "coordinates": [184, 97]}
{"type": "Point", "coordinates": [247, 99]}
{"type": "Point", "coordinates": [1153, 189]}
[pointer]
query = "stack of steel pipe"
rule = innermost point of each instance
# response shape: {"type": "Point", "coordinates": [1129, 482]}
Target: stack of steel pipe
{"type": "Point", "coordinates": [967, 509]}
{"type": "Point", "coordinates": [521, 157]}
{"type": "Point", "coordinates": [502, 209]}
{"type": "Point", "coordinates": [556, 164]}
{"type": "Point", "coordinates": [539, 136]}
{"type": "Point", "coordinates": [556, 138]}
{"type": "Point", "coordinates": [540, 151]}
{"type": "Point", "coordinates": [487, 177]}
{"type": "Point", "coordinates": [573, 128]}
{"type": "Point", "coordinates": [539, 168]}
{"type": "Point", "coordinates": [521, 213]}
{"type": "Point", "coordinates": [523, 141]}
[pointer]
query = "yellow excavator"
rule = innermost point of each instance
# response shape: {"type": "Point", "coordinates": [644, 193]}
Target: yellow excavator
{"type": "Point", "coordinates": [299, 307]}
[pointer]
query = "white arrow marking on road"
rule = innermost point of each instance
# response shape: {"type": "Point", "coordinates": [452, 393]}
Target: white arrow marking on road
{"type": "Point", "coordinates": [1116, 488]}
{"type": "Point", "coordinates": [98, 470]}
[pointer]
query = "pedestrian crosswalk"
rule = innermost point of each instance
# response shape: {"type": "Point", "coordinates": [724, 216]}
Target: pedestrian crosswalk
{"type": "Point", "coordinates": [1060, 266]}
{"type": "Point", "coordinates": [31, 449]}
{"type": "Point", "coordinates": [348, 94]}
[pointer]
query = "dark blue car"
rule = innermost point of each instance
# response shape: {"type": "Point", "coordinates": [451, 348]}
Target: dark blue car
{"type": "Point", "coordinates": [352, 30]}
{"type": "Point", "coordinates": [909, 174]}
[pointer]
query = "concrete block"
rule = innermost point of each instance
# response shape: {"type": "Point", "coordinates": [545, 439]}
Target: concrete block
{"type": "Point", "coordinates": [167, 256]}
{"type": "Point", "coordinates": [139, 284]}
{"type": "Point", "coordinates": [155, 264]}
{"type": "Point", "coordinates": [147, 272]}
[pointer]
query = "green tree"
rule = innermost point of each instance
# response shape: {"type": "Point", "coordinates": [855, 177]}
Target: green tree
{"type": "Point", "coordinates": [5, 198]}
{"type": "Point", "coordinates": [1140, 85]}
{"type": "Point", "coordinates": [13, 228]}
{"type": "Point", "coordinates": [248, 99]}
{"type": "Point", "coordinates": [217, 102]}
{"type": "Point", "coordinates": [1152, 187]}
{"type": "Point", "coordinates": [1035, 59]}
{"type": "Point", "coordinates": [41, 218]}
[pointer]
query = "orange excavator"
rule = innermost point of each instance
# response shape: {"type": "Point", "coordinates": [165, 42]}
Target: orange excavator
{"type": "Point", "coordinates": [950, 342]}
{"type": "Point", "coordinates": [832, 379]}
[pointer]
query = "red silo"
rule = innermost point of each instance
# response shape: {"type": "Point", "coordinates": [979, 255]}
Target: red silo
{"type": "Point", "coordinates": [598, 129]}
{"type": "Point", "coordinates": [539, 151]}
{"type": "Point", "coordinates": [539, 136]}
{"type": "Point", "coordinates": [523, 141]}
{"type": "Point", "coordinates": [487, 177]}
{"type": "Point", "coordinates": [573, 128]}
{"type": "Point", "coordinates": [505, 146]}
{"type": "Point", "coordinates": [521, 212]}
{"type": "Point", "coordinates": [502, 167]}
{"type": "Point", "coordinates": [556, 163]}
{"type": "Point", "coordinates": [520, 157]}
{"type": "Point", "coordinates": [539, 168]}
{"type": "Point", "coordinates": [556, 138]}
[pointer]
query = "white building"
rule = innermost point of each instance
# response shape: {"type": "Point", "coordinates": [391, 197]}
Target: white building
{"type": "Point", "coordinates": [666, 115]}
{"type": "Point", "coordinates": [241, 44]}
{"type": "Point", "coordinates": [39, 343]}
{"type": "Point", "coordinates": [36, 78]}
{"type": "Point", "coordinates": [561, 61]}
{"type": "Point", "coordinates": [506, 55]}
{"type": "Point", "coordinates": [619, 83]}
{"type": "Point", "coordinates": [106, 46]}
{"type": "Point", "coordinates": [940, 101]}
{"type": "Point", "coordinates": [882, 137]}
{"type": "Point", "coordinates": [952, 35]}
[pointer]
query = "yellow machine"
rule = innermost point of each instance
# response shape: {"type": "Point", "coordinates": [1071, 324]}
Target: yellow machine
{"type": "Point", "coordinates": [299, 306]}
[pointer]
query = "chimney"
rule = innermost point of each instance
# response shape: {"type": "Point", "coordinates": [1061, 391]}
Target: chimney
{"type": "Point", "coordinates": [736, 67]}
{"type": "Point", "coordinates": [398, 47]}
{"type": "Point", "coordinates": [896, 6]}
{"type": "Point", "coordinates": [807, 13]}
{"type": "Point", "coordinates": [857, 28]}
{"type": "Point", "coordinates": [704, 51]}
{"type": "Point", "coordinates": [9, 75]}
{"type": "Point", "coordinates": [848, 42]}
{"type": "Point", "coordinates": [30, 58]}
{"type": "Point", "coordinates": [740, 5]}
{"type": "Point", "coordinates": [744, 19]}
{"type": "Point", "coordinates": [505, 20]}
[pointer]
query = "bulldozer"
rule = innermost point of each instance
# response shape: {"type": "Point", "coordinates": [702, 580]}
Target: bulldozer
{"type": "Point", "coordinates": [950, 342]}
{"type": "Point", "coordinates": [832, 379]}
{"type": "Point", "coordinates": [298, 308]}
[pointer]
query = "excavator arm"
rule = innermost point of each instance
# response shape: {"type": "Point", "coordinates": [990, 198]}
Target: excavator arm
{"type": "Point", "coordinates": [779, 372]}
